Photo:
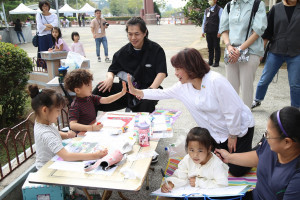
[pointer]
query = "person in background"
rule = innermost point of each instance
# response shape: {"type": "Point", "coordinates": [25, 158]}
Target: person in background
{"type": "Point", "coordinates": [233, 27]}
{"type": "Point", "coordinates": [98, 26]}
{"type": "Point", "coordinates": [200, 168]}
{"type": "Point", "coordinates": [77, 47]}
{"type": "Point", "coordinates": [283, 33]}
{"type": "Point", "coordinates": [83, 19]}
{"type": "Point", "coordinates": [45, 22]}
{"type": "Point", "coordinates": [277, 159]}
{"type": "Point", "coordinates": [79, 19]}
{"type": "Point", "coordinates": [18, 29]}
{"type": "Point", "coordinates": [211, 100]}
{"type": "Point", "coordinates": [210, 29]}
{"type": "Point", "coordinates": [144, 59]}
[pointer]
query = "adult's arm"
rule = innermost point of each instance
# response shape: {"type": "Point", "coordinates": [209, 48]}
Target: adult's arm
{"type": "Point", "coordinates": [39, 23]}
{"type": "Point", "coordinates": [268, 34]}
{"type": "Point", "coordinates": [220, 14]}
{"type": "Point", "coordinates": [203, 23]}
{"type": "Point", "coordinates": [231, 106]}
{"type": "Point", "coordinates": [292, 191]}
{"type": "Point", "coordinates": [259, 26]}
{"type": "Point", "coordinates": [247, 159]}
{"type": "Point", "coordinates": [107, 83]}
{"type": "Point", "coordinates": [93, 29]}
{"type": "Point", "coordinates": [158, 80]}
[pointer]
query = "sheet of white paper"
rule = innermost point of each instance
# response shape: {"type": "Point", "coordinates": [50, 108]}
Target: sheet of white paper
{"type": "Point", "coordinates": [186, 190]}
{"type": "Point", "coordinates": [78, 167]}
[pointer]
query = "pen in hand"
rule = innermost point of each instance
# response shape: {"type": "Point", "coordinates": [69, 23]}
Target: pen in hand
{"type": "Point", "coordinates": [163, 174]}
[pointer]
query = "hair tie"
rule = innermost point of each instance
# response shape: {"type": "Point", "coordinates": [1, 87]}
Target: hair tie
{"type": "Point", "coordinates": [280, 125]}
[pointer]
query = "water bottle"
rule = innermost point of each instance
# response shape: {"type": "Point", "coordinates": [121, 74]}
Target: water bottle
{"type": "Point", "coordinates": [144, 131]}
{"type": "Point", "coordinates": [62, 71]}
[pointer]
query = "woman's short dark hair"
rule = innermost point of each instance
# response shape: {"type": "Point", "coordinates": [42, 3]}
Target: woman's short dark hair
{"type": "Point", "coordinates": [97, 10]}
{"type": "Point", "coordinates": [45, 97]}
{"type": "Point", "coordinates": [73, 34]}
{"type": "Point", "coordinates": [192, 62]}
{"type": "Point", "coordinates": [43, 2]}
{"type": "Point", "coordinates": [202, 136]}
{"type": "Point", "coordinates": [290, 121]}
{"type": "Point", "coordinates": [76, 79]}
{"type": "Point", "coordinates": [137, 21]}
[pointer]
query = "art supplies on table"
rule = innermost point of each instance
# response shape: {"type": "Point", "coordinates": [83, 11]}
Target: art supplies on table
{"type": "Point", "coordinates": [189, 191]}
{"type": "Point", "coordinates": [169, 113]}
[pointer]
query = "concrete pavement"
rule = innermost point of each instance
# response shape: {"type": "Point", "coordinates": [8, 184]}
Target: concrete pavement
{"type": "Point", "coordinates": [172, 38]}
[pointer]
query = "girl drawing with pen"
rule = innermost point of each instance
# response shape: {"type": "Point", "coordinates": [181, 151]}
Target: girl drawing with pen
{"type": "Point", "coordinates": [47, 105]}
{"type": "Point", "coordinates": [200, 167]}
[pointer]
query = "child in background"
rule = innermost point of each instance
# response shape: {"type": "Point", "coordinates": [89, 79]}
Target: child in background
{"type": "Point", "coordinates": [77, 47]}
{"type": "Point", "coordinates": [82, 110]}
{"type": "Point", "coordinates": [59, 43]}
{"type": "Point", "coordinates": [200, 168]}
{"type": "Point", "coordinates": [47, 105]}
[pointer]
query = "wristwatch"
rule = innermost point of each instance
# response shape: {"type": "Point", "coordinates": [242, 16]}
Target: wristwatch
{"type": "Point", "coordinates": [233, 136]}
{"type": "Point", "coordinates": [240, 50]}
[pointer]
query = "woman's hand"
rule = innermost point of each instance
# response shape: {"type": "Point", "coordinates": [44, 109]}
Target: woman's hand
{"type": "Point", "coordinates": [234, 54]}
{"type": "Point", "coordinates": [50, 50]}
{"type": "Point", "coordinates": [106, 85]}
{"type": "Point", "coordinates": [232, 144]}
{"type": "Point", "coordinates": [132, 90]}
{"type": "Point", "coordinates": [192, 181]}
{"type": "Point", "coordinates": [124, 90]}
{"type": "Point", "coordinates": [223, 155]}
{"type": "Point", "coordinates": [165, 188]}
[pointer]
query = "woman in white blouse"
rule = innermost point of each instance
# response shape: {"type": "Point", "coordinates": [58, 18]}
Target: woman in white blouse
{"type": "Point", "coordinates": [45, 21]}
{"type": "Point", "coordinates": [212, 102]}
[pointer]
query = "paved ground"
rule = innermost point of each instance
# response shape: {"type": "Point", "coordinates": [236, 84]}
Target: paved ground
{"type": "Point", "coordinates": [172, 38]}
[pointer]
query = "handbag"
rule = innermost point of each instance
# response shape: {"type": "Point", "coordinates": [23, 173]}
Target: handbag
{"type": "Point", "coordinates": [244, 54]}
{"type": "Point", "coordinates": [35, 40]}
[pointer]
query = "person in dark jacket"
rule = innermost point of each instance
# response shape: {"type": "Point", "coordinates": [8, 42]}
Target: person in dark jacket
{"type": "Point", "coordinates": [142, 58]}
{"type": "Point", "coordinates": [18, 29]}
{"type": "Point", "coordinates": [210, 28]}
{"type": "Point", "coordinates": [283, 32]}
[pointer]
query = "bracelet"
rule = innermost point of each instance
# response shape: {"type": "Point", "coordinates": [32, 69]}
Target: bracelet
{"type": "Point", "coordinates": [233, 136]}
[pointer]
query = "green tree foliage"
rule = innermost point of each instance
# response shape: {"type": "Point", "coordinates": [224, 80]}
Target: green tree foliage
{"type": "Point", "coordinates": [15, 66]}
{"type": "Point", "coordinates": [194, 9]}
{"type": "Point", "coordinates": [156, 9]}
{"type": "Point", "coordinates": [134, 6]}
{"type": "Point", "coordinates": [118, 7]}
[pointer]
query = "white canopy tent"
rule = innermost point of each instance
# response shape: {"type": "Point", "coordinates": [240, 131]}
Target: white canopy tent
{"type": "Point", "coordinates": [22, 9]}
{"type": "Point", "coordinates": [87, 8]}
{"type": "Point", "coordinates": [67, 9]}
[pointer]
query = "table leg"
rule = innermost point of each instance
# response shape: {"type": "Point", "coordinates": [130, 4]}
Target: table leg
{"type": "Point", "coordinates": [106, 194]}
{"type": "Point", "coordinates": [122, 196]}
{"type": "Point", "coordinates": [86, 194]}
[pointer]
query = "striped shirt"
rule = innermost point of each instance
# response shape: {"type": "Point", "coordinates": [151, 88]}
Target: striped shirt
{"type": "Point", "coordinates": [83, 110]}
{"type": "Point", "coordinates": [48, 143]}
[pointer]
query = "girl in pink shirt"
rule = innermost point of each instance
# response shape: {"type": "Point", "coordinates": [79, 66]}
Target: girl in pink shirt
{"type": "Point", "coordinates": [77, 47]}
{"type": "Point", "coordinates": [60, 44]}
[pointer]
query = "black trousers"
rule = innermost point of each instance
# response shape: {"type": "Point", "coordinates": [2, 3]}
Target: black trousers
{"type": "Point", "coordinates": [127, 101]}
{"type": "Point", "coordinates": [213, 45]}
{"type": "Point", "coordinates": [243, 144]}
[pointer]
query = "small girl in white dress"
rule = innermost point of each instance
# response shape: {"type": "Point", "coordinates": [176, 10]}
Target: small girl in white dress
{"type": "Point", "coordinates": [200, 167]}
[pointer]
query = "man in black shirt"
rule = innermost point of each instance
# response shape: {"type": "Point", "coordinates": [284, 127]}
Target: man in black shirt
{"type": "Point", "coordinates": [142, 58]}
